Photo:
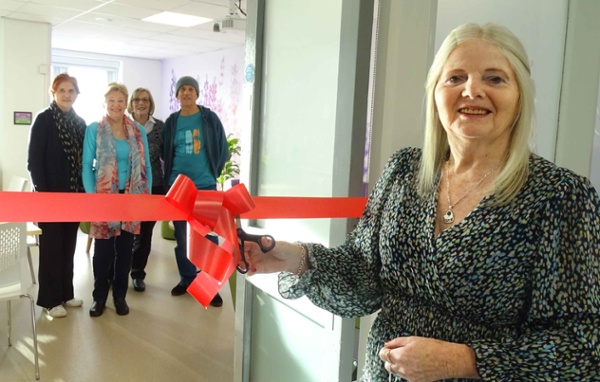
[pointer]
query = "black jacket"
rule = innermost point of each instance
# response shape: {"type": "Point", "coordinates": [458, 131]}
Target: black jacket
{"type": "Point", "coordinates": [47, 162]}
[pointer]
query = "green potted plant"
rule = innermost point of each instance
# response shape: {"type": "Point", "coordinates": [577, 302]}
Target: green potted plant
{"type": "Point", "coordinates": [231, 168]}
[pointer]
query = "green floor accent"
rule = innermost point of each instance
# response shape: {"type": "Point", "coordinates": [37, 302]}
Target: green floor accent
{"type": "Point", "coordinates": [166, 231]}
{"type": "Point", "coordinates": [232, 285]}
{"type": "Point", "coordinates": [85, 227]}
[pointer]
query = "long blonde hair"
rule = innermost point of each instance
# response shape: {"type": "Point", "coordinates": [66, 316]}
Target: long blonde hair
{"type": "Point", "coordinates": [435, 146]}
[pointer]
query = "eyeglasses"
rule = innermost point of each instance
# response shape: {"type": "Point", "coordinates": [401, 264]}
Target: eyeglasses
{"type": "Point", "coordinates": [144, 100]}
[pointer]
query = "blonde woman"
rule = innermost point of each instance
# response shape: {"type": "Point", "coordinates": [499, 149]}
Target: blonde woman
{"type": "Point", "coordinates": [482, 258]}
{"type": "Point", "coordinates": [115, 160]}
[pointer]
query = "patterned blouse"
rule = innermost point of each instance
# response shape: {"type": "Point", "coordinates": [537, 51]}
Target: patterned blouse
{"type": "Point", "coordinates": [519, 283]}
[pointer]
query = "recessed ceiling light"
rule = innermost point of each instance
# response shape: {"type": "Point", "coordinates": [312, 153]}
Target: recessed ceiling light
{"type": "Point", "coordinates": [103, 19]}
{"type": "Point", "coordinates": [176, 19]}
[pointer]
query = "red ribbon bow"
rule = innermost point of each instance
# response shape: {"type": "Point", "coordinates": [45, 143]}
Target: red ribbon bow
{"type": "Point", "coordinates": [210, 212]}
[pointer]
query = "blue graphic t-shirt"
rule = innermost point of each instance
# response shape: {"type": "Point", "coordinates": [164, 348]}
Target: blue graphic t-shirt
{"type": "Point", "coordinates": [190, 155]}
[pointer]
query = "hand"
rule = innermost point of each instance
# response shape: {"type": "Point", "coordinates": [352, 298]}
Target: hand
{"type": "Point", "coordinates": [419, 359]}
{"type": "Point", "coordinates": [283, 257]}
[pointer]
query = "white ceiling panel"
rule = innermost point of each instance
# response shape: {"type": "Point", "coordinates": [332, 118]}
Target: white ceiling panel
{"type": "Point", "coordinates": [153, 27]}
{"type": "Point", "coordinates": [215, 12]}
{"type": "Point", "coordinates": [159, 5]}
{"type": "Point", "coordinates": [79, 29]}
{"type": "Point", "coordinates": [81, 5]}
{"type": "Point", "coordinates": [10, 5]}
{"type": "Point", "coordinates": [49, 11]}
{"type": "Point", "coordinates": [115, 26]}
{"type": "Point", "coordinates": [32, 17]}
{"type": "Point", "coordinates": [127, 11]}
{"type": "Point", "coordinates": [133, 34]}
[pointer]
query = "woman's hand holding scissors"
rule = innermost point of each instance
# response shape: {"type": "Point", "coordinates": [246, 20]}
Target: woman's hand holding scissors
{"type": "Point", "coordinates": [283, 257]}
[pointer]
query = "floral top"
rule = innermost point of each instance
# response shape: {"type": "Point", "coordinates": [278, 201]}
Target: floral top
{"type": "Point", "coordinates": [519, 283]}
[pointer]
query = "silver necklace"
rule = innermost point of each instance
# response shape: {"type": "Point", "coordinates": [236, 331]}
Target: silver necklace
{"type": "Point", "coordinates": [448, 217]}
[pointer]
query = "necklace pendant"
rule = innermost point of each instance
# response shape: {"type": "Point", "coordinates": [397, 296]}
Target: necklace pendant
{"type": "Point", "coordinates": [448, 217]}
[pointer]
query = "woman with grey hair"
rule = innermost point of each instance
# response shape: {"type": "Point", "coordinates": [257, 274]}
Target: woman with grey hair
{"type": "Point", "coordinates": [141, 109]}
{"type": "Point", "coordinates": [482, 258]}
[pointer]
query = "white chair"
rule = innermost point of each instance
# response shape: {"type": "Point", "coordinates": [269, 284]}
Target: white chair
{"type": "Point", "coordinates": [13, 244]}
{"type": "Point", "coordinates": [18, 183]}
{"type": "Point", "coordinates": [21, 184]}
{"type": "Point", "coordinates": [33, 233]}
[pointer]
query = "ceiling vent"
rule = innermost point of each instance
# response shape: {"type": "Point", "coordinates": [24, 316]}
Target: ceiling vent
{"type": "Point", "coordinates": [229, 24]}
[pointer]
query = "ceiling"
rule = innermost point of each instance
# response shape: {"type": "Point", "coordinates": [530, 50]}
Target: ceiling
{"type": "Point", "coordinates": [116, 26]}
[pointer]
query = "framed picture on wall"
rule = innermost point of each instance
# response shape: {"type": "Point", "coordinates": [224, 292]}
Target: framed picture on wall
{"type": "Point", "coordinates": [22, 118]}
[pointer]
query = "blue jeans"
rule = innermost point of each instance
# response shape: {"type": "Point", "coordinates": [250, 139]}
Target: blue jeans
{"type": "Point", "coordinates": [187, 270]}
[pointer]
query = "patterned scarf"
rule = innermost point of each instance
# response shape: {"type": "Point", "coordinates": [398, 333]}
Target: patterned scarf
{"type": "Point", "coordinates": [107, 173]}
{"type": "Point", "coordinates": [71, 129]}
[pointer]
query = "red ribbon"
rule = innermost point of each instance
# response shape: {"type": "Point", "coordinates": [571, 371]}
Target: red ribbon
{"type": "Point", "coordinates": [205, 211]}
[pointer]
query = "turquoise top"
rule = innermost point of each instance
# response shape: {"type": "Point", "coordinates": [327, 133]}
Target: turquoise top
{"type": "Point", "coordinates": [190, 154]}
{"type": "Point", "coordinates": [122, 152]}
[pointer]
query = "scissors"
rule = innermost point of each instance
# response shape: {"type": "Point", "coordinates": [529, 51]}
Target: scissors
{"type": "Point", "coordinates": [243, 236]}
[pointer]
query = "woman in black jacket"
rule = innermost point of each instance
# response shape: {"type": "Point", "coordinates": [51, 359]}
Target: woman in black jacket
{"type": "Point", "coordinates": [54, 162]}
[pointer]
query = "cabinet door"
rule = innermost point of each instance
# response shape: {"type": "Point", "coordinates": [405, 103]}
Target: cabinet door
{"type": "Point", "coordinates": [595, 166]}
{"type": "Point", "coordinates": [577, 138]}
{"type": "Point", "coordinates": [308, 94]}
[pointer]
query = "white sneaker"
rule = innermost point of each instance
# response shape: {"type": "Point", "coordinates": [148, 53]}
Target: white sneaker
{"type": "Point", "coordinates": [57, 311]}
{"type": "Point", "coordinates": [74, 303]}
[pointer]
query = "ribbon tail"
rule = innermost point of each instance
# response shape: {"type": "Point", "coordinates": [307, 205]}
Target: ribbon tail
{"type": "Point", "coordinates": [217, 261]}
{"type": "Point", "coordinates": [204, 288]}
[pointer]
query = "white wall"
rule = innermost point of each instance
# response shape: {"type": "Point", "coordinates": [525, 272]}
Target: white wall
{"type": "Point", "coordinates": [24, 61]}
{"type": "Point", "coordinates": [139, 72]}
{"type": "Point", "coordinates": [398, 112]}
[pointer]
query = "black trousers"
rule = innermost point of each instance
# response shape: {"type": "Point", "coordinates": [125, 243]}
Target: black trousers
{"type": "Point", "coordinates": [141, 250]}
{"type": "Point", "coordinates": [112, 255]}
{"type": "Point", "coordinates": [143, 243]}
{"type": "Point", "coordinates": [55, 272]}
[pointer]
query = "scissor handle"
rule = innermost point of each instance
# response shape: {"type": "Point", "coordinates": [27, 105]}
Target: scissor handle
{"type": "Point", "coordinates": [242, 235]}
{"type": "Point", "coordinates": [245, 269]}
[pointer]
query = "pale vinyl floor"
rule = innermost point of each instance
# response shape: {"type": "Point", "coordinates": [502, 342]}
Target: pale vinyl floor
{"type": "Point", "coordinates": [164, 338]}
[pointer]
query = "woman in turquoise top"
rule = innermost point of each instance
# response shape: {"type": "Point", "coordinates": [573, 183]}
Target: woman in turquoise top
{"type": "Point", "coordinates": [115, 160]}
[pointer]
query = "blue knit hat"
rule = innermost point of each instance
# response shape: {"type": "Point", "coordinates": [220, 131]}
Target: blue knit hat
{"type": "Point", "coordinates": [187, 80]}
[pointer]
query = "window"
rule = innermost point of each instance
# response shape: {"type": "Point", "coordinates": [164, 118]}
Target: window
{"type": "Point", "coordinates": [93, 76]}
